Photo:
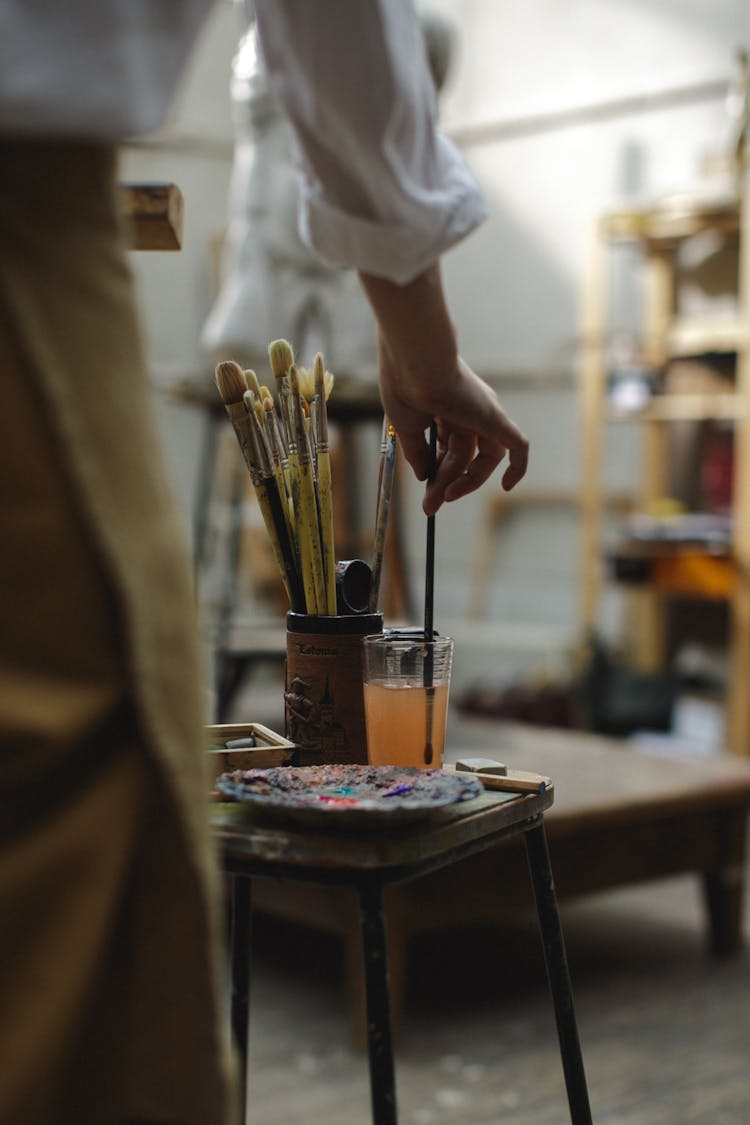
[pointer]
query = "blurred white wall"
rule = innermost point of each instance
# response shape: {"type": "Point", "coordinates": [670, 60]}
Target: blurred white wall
{"type": "Point", "coordinates": [194, 150]}
{"type": "Point", "coordinates": [564, 111]}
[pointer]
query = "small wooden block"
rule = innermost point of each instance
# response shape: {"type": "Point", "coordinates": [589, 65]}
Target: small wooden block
{"type": "Point", "coordinates": [516, 781]}
{"type": "Point", "coordinates": [270, 749]}
{"type": "Point", "coordinates": [155, 215]}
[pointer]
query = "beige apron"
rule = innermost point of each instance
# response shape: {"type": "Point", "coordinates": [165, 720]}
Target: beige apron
{"type": "Point", "coordinates": [109, 993]}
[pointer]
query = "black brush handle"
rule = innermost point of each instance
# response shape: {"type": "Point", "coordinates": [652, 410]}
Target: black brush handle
{"type": "Point", "coordinates": [429, 580]}
{"type": "Point", "coordinates": [428, 671]}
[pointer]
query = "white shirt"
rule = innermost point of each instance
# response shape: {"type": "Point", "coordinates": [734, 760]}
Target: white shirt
{"type": "Point", "coordinates": [92, 69]}
{"type": "Point", "coordinates": [383, 190]}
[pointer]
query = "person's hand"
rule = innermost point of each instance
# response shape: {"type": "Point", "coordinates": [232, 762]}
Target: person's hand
{"type": "Point", "coordinates": [422, 378]}
{"type": "Point", "coordinates": [474, 433]}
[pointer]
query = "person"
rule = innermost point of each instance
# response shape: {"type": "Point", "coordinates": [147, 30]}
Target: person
{"type": "Point", "coordinates": [111, 987]}
{"type": "Point", "coordinates": [111, 966]}
{"type": "Point", "coordinates": [386, 194]}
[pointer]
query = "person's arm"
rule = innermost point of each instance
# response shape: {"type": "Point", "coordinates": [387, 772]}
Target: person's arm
{"type": "Point", "coordinates": [423, 377]}
{"type": "Point", "coordinates": [385, 193]}
{"type": "Point", "coordinates": [382, 190]}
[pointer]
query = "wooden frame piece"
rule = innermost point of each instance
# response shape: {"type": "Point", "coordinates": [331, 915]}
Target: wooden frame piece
{"type": "Point", "coordinates": [154, 213]}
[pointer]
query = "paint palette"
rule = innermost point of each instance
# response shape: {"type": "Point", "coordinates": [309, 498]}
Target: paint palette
{"type": "Point", "coordinates": [348, 795]}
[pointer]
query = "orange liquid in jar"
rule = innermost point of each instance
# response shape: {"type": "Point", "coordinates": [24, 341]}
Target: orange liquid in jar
{"type": "Point", "coordinates": [396, 719]}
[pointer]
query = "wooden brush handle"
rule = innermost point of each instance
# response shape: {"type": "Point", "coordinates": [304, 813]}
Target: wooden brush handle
{"type": "Point", "coordinates": [515, 781]}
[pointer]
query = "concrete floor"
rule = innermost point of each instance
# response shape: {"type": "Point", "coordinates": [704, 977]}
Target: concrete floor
{"type": "Point", "coordinates": [665, 1030]}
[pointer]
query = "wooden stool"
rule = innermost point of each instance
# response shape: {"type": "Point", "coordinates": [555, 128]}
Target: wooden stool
{"type": "Point", "coordinates": [370, 861]}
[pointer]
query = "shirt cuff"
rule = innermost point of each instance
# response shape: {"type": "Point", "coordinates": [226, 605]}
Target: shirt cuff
{"type": "Point", "coordinates": [397, 249]}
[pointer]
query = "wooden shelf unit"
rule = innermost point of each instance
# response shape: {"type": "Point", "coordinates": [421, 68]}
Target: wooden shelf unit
{"type": "Point", "coordinates": [658, 233]}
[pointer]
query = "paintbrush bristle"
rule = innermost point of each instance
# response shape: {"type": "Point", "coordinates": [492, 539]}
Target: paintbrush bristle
{"type": "Point", "coordinates": [252, 380]}
{"type": "Point", "coordinates": [306, 382]}
{"type": "Point", "coordinates": [319, 370]}
{"type": "Point", "coordinates": [231, 381]}
{"type": "Point", "coordinates": [294, 379]}
{"type": "Point", "coordinates": [281, 356]}
{"type": "Point", "coordinates": [322, 377]}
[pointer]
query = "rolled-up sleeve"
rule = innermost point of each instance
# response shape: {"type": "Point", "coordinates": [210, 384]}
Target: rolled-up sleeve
{"type": "Point", "coordinates": [382, 189]}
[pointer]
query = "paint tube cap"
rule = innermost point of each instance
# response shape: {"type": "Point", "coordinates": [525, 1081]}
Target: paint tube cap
{"type": "Point", "coordinates": [353, 584]}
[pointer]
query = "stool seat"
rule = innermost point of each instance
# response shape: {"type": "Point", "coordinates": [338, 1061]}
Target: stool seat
{"type": "Point", "coordinates": [371, 860]}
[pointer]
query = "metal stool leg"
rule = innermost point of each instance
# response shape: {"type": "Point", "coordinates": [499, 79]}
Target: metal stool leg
{"type": "Point", "coordinates": [240, 940]}
{"type": "Point", "coordinates": [380, 1044]}
{"type": "Point", "coordinates": [558, 975]}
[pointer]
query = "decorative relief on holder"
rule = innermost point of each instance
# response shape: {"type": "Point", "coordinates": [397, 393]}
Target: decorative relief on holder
{"type": "Point", "coordinates": [311, 722]}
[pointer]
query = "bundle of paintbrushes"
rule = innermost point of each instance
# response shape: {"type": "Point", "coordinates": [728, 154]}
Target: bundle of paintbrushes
{"type": "Point", "coordinates": [284, 441]}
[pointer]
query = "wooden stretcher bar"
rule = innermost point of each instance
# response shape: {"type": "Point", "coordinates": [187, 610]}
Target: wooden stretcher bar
{"type": "Point", "coordinates": [154, 212]}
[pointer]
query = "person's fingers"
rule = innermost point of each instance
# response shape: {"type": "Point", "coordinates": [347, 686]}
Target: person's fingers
{"type": "Point", "coordinates": [474, 433]}
{"type": "Point", "coordinates": [459, 474]}
{"type": "Point", "coordinates": [479, 412]}
{"type": "Point", "coordinates": [476, 474]}
{"type": "Point", "coordinates": [416, 450]}
{"type": "Point", "coordinates": [479, 471]}
{"type": "Point", "coordinates": [503, 430]}
{"type": "Point", "coordinates": [518, 463]}
{"type": "Point", "coordinates": [456, 456]}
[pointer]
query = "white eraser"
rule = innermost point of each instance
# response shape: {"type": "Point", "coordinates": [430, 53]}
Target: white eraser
{"type": "Point", "coordinates": [482, 765]}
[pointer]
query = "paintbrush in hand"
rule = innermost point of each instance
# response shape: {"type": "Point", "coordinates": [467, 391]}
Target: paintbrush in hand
{"type": "Point", "coordinates": [429, 600]}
